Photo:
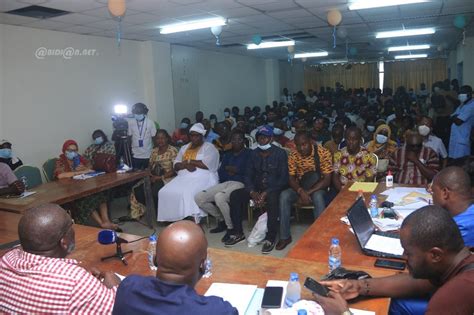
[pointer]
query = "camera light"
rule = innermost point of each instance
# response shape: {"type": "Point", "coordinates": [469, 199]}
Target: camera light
{"type": "Point", "coordinates": [120, 109]}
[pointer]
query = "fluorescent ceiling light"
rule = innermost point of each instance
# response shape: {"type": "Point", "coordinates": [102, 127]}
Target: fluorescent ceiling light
{"type": "Point", "coordinates": [312, 54]}
{"type": "Point", "coordinates": [370, 4]}
{"type": "Point", "coordinates": [192, 25]}
{"type": "Point", "coordinates": [271, 44]}
{"type": "Point", "coordinates": [326, 62]}
{"type": "Point", "coordinates": [410, 32]}
{"type": "Point", "coordinates": [412, 47]}
{"type": "Point", "coordinates": [411, 56]}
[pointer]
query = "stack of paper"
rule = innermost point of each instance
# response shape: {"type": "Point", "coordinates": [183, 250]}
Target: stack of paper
{"type": "Point", "coordinates": [239, 295]}
{"type": "Point", "coordinates": [366, 187]}
{"type": "Point", "coordinates": [408, 199]}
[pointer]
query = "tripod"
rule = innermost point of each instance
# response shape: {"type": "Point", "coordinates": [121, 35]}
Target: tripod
{"type": "Point", "coordinates": [118, 254]}
{"type": "Point", "coordinates": [122, 147]}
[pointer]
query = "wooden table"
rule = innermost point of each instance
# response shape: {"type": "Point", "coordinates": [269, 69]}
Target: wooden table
{"type": "Point", "coordinates": [66, 190]}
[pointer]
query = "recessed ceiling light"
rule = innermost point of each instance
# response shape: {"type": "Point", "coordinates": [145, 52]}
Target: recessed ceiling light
{"type": "Point", "coordinates": [408, 32]}
{"type": "Point", "coordinates": [192, 25]}
{"type": "Point", "coordinates": [312, 54]}
{"type": "Point", "coordinates": [411, 47]}
{"type": "Point", "coordinates": [370, 4]}
{"type": "Point", "coordinates": [411, 56]}
{"type": "Point", "coordinates": [271, 44]}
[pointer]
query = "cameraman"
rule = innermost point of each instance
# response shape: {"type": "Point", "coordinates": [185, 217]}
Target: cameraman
{"type": "Point", "coordinates": [141, 129]}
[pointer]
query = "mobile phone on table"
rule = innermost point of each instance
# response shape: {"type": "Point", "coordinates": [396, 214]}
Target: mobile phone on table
{"type": "Point", "coordinates": [272, 297]}
{"type": "Point", "coordinates": [390, 264]}
{"type": "Point", "coordinates": [316, 287]}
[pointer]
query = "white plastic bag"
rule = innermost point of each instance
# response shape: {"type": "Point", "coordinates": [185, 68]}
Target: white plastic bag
{"type": "Point", "coordinates": [259, 231]}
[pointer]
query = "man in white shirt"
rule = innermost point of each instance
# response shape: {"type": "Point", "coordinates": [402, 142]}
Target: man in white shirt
{"type": "Point", "coordinates": [311, 98]}
{"type": "Point", "coordinates": [141, 129]}
{"type": "Point", "coordinates": [286, 98]}
{"type": "Point", "coordinates": [425, 128]}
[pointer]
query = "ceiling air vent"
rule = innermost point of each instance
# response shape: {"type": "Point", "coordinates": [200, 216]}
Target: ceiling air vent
{"type": "Point", "coordinates": [38, 12]}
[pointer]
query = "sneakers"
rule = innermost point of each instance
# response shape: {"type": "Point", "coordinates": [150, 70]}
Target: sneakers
{"type": "Point", "coordinates": [267, 246]}
{"type": "Point", "coordinates": [221, 227]}
{"type": "Point", "coordinates": [234, 240]}
{"type": "Point", "coordinates": [227, 235]}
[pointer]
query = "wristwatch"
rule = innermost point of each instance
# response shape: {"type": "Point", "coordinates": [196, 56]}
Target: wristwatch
{"type": "Point", "coordinates": [347, 312]}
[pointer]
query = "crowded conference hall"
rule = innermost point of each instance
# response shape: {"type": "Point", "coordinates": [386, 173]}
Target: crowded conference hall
{"type": "Point", "coordinates": [250, 157]}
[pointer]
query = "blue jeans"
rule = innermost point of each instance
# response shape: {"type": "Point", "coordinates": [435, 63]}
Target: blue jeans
{"type": "Point", "coordinates": [413, 306]}
{"type": "Point", "coordinates": [287, 198]}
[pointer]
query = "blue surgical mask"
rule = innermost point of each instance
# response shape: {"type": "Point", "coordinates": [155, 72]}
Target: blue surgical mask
{"type": "Point", "coordinates": [99, 140]}
{"type": "Point", "coordinates": [71, 155]}
{"type": "Point", "coordinates": [462, 98]}
{"type": "Point", "coordinates": [6, 153]}
{"type": "Point", "coordinates": [381, 139]}
{"type": "Point", "coordinates": [226, 114]}
{"type": "Point", "coordinates": [371, 128]}
{"type": "Point", "coordinates": [139, 117]}
{"type": "Point", "coordinates": [183, 125]}
{"type": "Point", "coordinates": [277, 131]}
{"type": "Point", "coordinates": [290, 113]}
{"type": "Point", "coordinates": [264, 147]}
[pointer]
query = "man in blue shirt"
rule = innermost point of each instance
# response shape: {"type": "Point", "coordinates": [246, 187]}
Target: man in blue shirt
{"type": "Point", "coordinates": [463, 120]}
{"type": "Point", "coordinates": [210, 135]}
{"type": "Point", "coordinates": [181, 253]}
{"type": "Point", "coordinates": [266, 176]}
{"type": "Point", "coordinates": [215, 200]}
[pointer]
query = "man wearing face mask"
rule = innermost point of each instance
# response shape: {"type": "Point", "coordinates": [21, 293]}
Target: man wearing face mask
{"type": "Point", "coordinates": [37, 277]}
{"type": "Point", "coordinates": [279, 138]}
{"type": "Point", "coordinates": [425, 128]}
{"type": "Point", "coordinates": [141, 129]}
{"type": "Point", "coordinates": [229, 118]}
{"type": "Point", "coordinates": [266, 176]}
{"type": "Point", "coordinates": [7, 157]}
{"type": "Point", "coordinates": [463, 120]}
{"type": "Point", "coordinates": [181, 134]}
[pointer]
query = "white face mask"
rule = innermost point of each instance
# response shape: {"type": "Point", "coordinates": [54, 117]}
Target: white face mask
{"type": "Point", "coordinates": [424, 130]}
{"type": "Point", "coordinates": [264, 147]}
{"type": "Point", "coordinates": [371, 128]}
{"type": "Point", "coordinates": [277, 131]}
{"type": "Point", "coordinates": [462, 98]}
{"type": "Point", "coordinates": [381, 139]}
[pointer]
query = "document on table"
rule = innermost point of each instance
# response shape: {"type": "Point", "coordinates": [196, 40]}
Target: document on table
{"type": "Point", "coordinates": [406, 195]}
{"type": "Point", "coordinates": [384, 244]}
{"type": "Point", "coordinates": [360, 312]}
{"type": "Point", "coordinates": [239, 295]}
{"type": "Point", "coordinates": [88, 175]}
{"type": "Point", "coordinates": [365, 187]}
{"type": "Point", "coordinates": [27, 193]}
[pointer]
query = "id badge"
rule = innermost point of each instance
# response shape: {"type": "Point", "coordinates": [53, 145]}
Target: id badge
{"type": "Point", "coordinates": [140, 143]}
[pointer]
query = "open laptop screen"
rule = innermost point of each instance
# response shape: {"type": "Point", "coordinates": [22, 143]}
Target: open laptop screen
{"type": "Point", "coordinates": [361, 222]}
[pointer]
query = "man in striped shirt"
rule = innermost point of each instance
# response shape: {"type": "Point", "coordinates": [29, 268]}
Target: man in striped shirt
{"type": "Point", "coordinates": [37, 278]}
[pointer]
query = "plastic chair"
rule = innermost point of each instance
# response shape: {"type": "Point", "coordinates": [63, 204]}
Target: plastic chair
{"type": "Point", "coordinates": [48, 169]}
{"type": "Point", "coordinates": [32, 174]}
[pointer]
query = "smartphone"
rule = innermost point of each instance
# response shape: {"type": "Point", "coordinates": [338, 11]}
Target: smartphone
{"type": "Point", "coordinates": [316, 287]}
{"type": "Point", "coordinates": [390, 264]}
{"type": "Point", "coordinates": [272, 297]}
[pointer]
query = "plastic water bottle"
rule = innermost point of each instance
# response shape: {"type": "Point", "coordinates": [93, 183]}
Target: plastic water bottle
{"type": "Point", "coordinates": [121, 163]}
{"type": "Point", "coordinates": [293, 290]}
{"type": "Point", "coordinates": [207, 267]}
{"type": "Point", "coordinates": [389, 180]}
{"type": "Point", "coordinates": [360, 194]}
{"type": "Point", "coordinates": [335, 253]}
{"type": "Point", "coordinates": [151, 252]}
{"type": "Point", "coordinates": [24, 180]}
{"type": "Point", "coordinates": [374, 210]}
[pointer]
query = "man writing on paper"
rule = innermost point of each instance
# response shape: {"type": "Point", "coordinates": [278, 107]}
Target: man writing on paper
{"type": "Point", "coordinates": [181, 253]}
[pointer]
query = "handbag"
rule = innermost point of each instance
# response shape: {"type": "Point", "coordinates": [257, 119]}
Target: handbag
{"type": "Point", "coordinates": [104, 162]}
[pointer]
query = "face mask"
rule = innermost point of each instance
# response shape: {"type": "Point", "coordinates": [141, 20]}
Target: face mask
{"type": "Point", "coordinates": [226, 114]}
{"type": "Point", "coordinates": [293, 129]}
{"type": "Point", "coordinates": [371, 128]}
{"type": "Point", "coordinates": [270, 124]}
{"type": "Point", "coordinates": [183, 125]}
{"type": "Point", "coordinates": [462, 98]}
{"type": "Point", "coordinates": [264, 147]}
{"type": "Point", "coordinates": [290, 113]}
{"type": "Point", "coordinates": [424, 130]}
{"type": "Point", "coordinates": [277, 131]}
{"type": "Point", "coordinates": [71, 155]}
{"type": "Point", "coordinates": [6, 153]}
{"type": "Point", "coordinates": [99, 140]}
{"type": "Point", "coordinates": [381, 139]}
{"type": "Point", "coordinates": [139, 117]}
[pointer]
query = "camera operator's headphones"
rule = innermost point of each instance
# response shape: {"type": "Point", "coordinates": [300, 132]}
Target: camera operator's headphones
{"type": "Point", "coordinates": [139, 108]}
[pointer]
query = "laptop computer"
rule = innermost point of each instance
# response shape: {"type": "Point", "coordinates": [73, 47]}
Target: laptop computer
{"type": "Point", "coordinates": [372, 242]}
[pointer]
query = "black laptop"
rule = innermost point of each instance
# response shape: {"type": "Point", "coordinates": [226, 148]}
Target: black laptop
{"type": "Point", "coordinates": [364, 229]}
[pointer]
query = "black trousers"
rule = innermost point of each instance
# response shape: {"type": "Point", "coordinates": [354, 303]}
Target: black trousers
{"type": "Point", "coordinates": [140, 164]}
{"type": "Point", "coordinates": [239, 201]}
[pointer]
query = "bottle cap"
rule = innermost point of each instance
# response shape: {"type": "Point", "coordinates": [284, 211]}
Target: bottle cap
{"type": "Point", "coordinates": [294, 276]}
{"type": "Point", "coordinates": [153, 238]}
{"type": "Point", "coordinates": [302, 312]}
{"type": "Point", "coordinates": [335, 241]}
{"type": "Point", "coordinates": [374, 197]}
{"type": "Point", "coordinates": [389, 173]}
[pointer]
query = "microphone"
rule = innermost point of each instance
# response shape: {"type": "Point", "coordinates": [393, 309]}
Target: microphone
{"type": "Point", "coordinates": [107, 237]}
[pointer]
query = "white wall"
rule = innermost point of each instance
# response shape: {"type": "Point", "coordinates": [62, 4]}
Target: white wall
{"type": "Point", "coordinates": [292, 77]}
{"type": "Point", "coordinates": [464, 54]}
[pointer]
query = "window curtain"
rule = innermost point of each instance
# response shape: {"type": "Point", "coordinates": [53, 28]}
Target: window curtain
{"type": "Point", "coordinates": [359, 75]}
{"type": "Point", "coordinates": [411, 73]}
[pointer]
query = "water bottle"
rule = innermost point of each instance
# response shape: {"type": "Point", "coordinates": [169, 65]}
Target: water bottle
{"type": "Point", "coordinates": [151, 252]}
{"type": "Point", "coordinates": [207, 267]}
{"type": "Point", "coordinates": [24, 180]}
{"type": "Point", "coordinates": [374, 211]}
{"type": "Point", "coordinates": [389, 180]}
{"type": "Point", "coordinates": [293, 290]}
{"type": "Point", "coordinates": [335, 253]}
{"type": "Point", "coordinates": [121, 163]}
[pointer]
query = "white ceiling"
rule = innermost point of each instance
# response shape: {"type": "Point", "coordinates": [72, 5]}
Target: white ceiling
{"type": "Point", "coordinates": [302, 20]}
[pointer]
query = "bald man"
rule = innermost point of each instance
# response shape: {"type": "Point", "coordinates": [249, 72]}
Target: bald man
{"type": "Point", "coordinates": [37, 278]}
{"type": "Point", "coordinates": [181, 253]}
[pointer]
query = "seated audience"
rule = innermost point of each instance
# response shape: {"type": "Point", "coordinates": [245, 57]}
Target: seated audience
{"type": "Point", "coordinates": [279, 133]}
{"type": "Point", "coordinates": [425, 129]}
{"type": "Point", "coordinates": [211, 136]}
{"type": "Point", "coordinates": [396, 124]}
{"type": "Point", "coordinates": [36, 278]}
{"type": "Point", "coordinates": [438, 262]}
{"type": "Point", "coordinates": [337, 135]}
{"type": "Point", "coordinates": [414, 163]}
{"type": "Point", "coordinates": [353, 163]}
{"type": "Point", "coordinates": [196, 166]}
{"type": "Point", "coordinates": [199, 116]}
{"type": "Point", "coordinates": [215, 200]}
{"type": "Point", "coordinates": [309, 168]}
{"type": "Point", "coordinates": [320, 134]}
{"type": "Point", "coordinates": [9, 184]}
{"type": "Point", "coordinates": [223, 143]}
{"type": "Point", "coordinates": [181, 253]}
{"type": "Point", "coordinates": [228, 118]}
{"type": "Point", "coordinates": [265, 178]}
{"type": "Point", "coordinates": [162, 172]}
{"type": "Point", "coordinates": [70, 164]}
{"type": "Point", "coordinates": [381, 144]}
{"type": "Point", "coordinates": [299, 126]}
{"type": "Point", "coordinates": [7, 157]}
{"type": "Point", "coordinates": [101, 145]}
{"type": "Point", "coordinates": [180, 135]}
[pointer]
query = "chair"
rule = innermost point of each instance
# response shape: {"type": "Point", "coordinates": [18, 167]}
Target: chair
{"type": "Point", "coordinates": [48, 169]}
{"type": "Point", "coordinates": [32, 174]}
{"type": "Point", "coordinates": [299, 207]}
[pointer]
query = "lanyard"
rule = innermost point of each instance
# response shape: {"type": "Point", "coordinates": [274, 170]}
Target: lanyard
{"type": "Point", "coordinates": [140, 129]}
